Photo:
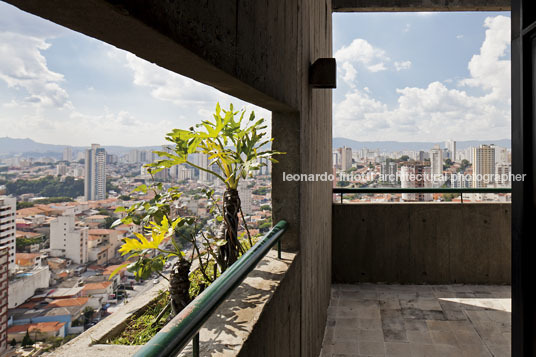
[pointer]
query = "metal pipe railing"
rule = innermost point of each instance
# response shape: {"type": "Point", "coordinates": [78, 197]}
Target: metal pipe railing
{"type": "Point", "coordinates": [186, 325]}
{"type": "Point", "coordinates": [395, 190]}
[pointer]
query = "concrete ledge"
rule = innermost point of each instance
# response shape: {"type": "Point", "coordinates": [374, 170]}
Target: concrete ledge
{"type": "Point", "coordinates": [225, 333]}
{"type": "Point", "coordinates": [422, 243]}
{"type": "Point", "coordinates": [419, 5]}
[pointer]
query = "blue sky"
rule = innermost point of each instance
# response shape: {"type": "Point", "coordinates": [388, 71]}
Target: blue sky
{"type": "Point", "coordinates": [405, 77]}
{"type": "Point", "coordinates": [422, 76]}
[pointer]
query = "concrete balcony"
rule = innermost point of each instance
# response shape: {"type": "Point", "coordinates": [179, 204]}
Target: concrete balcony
{"type": "Point", "coordinates": [461, 251]}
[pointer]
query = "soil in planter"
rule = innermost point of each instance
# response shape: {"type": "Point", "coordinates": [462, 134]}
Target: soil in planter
{"type": "Point", "coordinates": [140, 329]}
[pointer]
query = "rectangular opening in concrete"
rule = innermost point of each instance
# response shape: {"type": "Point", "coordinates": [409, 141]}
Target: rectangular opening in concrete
{"type": "Point", "coordinates": [423, 101]}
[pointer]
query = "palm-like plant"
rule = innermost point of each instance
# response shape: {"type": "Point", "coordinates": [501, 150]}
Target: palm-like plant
{"type": "Point", "coordinates": [146, 248]}
{"type": "Point", "coordinates": [235, 146]}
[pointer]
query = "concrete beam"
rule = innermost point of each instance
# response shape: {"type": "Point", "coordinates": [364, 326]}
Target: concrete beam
{"type": "Point", "coordinates": [419, 5]}
{"type": "Point", "coordinates": [151, 32]}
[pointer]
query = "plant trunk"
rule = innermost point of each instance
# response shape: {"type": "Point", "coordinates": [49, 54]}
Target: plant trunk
{"type": "Point", "coordinates": [179, 285]}
{"type": "Point", "coordinates": [231, 208]}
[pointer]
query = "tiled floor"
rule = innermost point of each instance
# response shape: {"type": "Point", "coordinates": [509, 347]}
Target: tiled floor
{"type": "Point", "coordinates": [418, 320]}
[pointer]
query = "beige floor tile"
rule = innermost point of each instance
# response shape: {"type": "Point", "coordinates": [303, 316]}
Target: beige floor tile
{"type": "Point", "coordinates": [475, 350]}
{"type": "Point", "coordinates": [467, 337]}
{"type": "Point", "coordinates": [500, 351]}
{"type": "Point", "coordinates": [347, 322]}
{"type": "Point", "coordinates": [370, 335]}
{"type": "Point", "coordinates": [397, 349]}
{"type": "Point", "coordinates": [344, 347]}
{"type": "Point", "coordinates": [371, 348]}
{"type": "Point", "coordinates": [419, 337]}
{"type": "Point", "coordinates": [438, 325]}
{"type": "Point", "coordinates": [370, 324]}
{"type": "Point", "coordinates": [418, 320]}
{"type": "Point", "coordinates": [345, 334]}
{"type": "Point", "coordinates": [447, 351]}
{"type": "Point", "coordinates": [443, 338]}
{"type": "Point", "coordinates": [422, 350]}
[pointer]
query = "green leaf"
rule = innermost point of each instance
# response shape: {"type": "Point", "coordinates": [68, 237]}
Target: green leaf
{"type": "Point", "coordinates": [141, 188]}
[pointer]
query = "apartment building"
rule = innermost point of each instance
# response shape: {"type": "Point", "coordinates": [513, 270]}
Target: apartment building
{"type": "Point", "coordinates": [483, 165]}
{"type": "Point", "coordinates": [7, 227]}
{"type": "Point", "coordinates": [95, 173]}
{"type": "Point", "coordinates": [4, 283]}
{"type": "Point", "coordinates": [415, 176]}
{"type": "Point", "coordinates": [67, 240]}
{"type": "Point", "coordinates": [436, 163]}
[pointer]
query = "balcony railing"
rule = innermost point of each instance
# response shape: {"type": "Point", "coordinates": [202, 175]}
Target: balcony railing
{"type": "Point", "coordinates": [424, 190]}
{"type": "Point", "coordinates": [186, 325]}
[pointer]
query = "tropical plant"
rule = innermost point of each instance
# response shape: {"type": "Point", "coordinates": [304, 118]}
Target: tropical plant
{"type": "Point", "coordinates": [236, 147]}
{"type": "Point", "coordinates": [146, 250]}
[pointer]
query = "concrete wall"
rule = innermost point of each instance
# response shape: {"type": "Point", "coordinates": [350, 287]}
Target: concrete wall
{"type": "Point", "coordinates": [277, 330]}
{"type": "Point", "coordinates": [422, 243]}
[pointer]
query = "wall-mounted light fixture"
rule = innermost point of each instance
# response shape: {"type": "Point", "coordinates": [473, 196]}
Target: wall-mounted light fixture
{"type": "Point", "coordinates": [323, 73]}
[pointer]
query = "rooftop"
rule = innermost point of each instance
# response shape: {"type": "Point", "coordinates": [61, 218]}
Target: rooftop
{"type": "Point", "coordinates": [68, 302]}
{"type": "Point", "coordinates": [100, 231]}
{"type": "Point", "coordinates": [39, 326]}
{"type": "Point", "coordinates": [97, 216]}
{"type": "Point", "coordinates": [64, 292]}
{"type": "Point", "coordinates": [21, 234]}
{"type": "Point", "coordinates": [97, 286]}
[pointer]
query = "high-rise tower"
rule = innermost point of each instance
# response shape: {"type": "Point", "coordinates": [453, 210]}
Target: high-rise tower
{"type": "Point", "coordinates": [95, 179]}
{"type": "Point", "coordinates": [7, 227]}
{"type": "Point", "coordinates": [483, 165]}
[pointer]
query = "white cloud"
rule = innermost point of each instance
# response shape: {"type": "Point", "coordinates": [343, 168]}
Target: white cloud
{"type": "Point", "coordinates": [191, 96]}
{"type": "Point", "coordinates": [349, 72]}
{"type": "Point", "coordinates": [436, 112]}
{"type": "Point", "coordinates": [402, 65]}
{"type": "Point", "coordinates": [22, 66]}
{"type": "Point", "coordinates": [459, 37]}
{"type": "Point", "coordinates": [377, 67]}
{"type": "Point", "coordinates": [168, 86]}
{"type": "Point", "coordinates": [489, 69]}
{"type": "Point", "coordinates": [361, 53]}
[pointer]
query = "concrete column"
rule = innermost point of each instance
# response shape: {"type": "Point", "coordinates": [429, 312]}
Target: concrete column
{"type": "Point", "coordinates": [286, 194]}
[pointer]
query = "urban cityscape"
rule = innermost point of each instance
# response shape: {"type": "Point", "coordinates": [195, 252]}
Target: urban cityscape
{"type": "Point", "coordinates": [57, 211]}
{"type": "Point", "coordinates": [482, 166]}
{"type": "Point", "coordinates": [56, 216]}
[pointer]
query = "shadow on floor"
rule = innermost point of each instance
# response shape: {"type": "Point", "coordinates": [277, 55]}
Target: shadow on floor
{"type": "Point", "coordinates": [418, 320]}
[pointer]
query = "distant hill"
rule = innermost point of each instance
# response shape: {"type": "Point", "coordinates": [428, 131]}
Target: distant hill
{"type": "Point", "coordinates": [26, 146]}
{"type": "Point", "coordinates": [390, 146]}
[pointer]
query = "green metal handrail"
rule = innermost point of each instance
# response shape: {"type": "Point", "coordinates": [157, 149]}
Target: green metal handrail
{"type": "Point", "coordinates": [186, 325]}
{"type": "Point", "coordinates": [461, 191]}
